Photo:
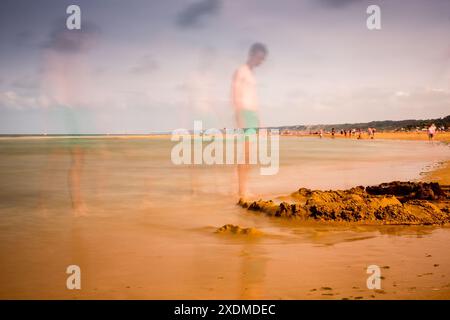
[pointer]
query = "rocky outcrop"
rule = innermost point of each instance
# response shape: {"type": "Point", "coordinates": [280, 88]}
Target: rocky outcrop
{"type": "Point", "coordinates": [233, 229]}
{"type": "Point", "coordinates": [387, 203]}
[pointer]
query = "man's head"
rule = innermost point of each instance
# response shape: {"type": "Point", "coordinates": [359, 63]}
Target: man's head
{"type": "Point", "coordinates": [257, 54]}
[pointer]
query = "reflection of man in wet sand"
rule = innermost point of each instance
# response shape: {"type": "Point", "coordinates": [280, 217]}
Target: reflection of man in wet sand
{"type": "Point", "coordinates": [65, 80]}
{"type": "Point", "coordinates": [74, 179]}
{"type": "Point", "coordinates": [246, 105]}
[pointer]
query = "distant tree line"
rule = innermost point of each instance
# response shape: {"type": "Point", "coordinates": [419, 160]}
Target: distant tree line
{"type": "Point", "coordinates": [386, 125]}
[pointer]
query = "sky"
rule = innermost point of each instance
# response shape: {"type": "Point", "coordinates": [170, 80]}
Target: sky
{"type": "Point", "coordinates": [150, 66]}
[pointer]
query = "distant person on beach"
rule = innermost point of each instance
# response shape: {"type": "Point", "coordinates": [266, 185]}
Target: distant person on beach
{"type": "Point", "coordinates": [245, 104]}
{"type": "Point", "coordinates": [431, 132]}
{"type": "Point", "coordinates": [333, 131]}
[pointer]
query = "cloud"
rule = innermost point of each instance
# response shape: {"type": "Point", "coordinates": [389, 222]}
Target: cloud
{"type": "Point", "coordinates": [146, 65]}
{"type": "Point", "coordinates": [15, 100]}
{"type": "Point", "coordinates": [26, 83]}
{"type": "Point", "coordinates": [337, 3]}
{"type": "Point", "coordinates": [72, 41]}
{"type": "Point", "coordinates": [402, 94]}
{"type": "Point", "coordinates": [364, 104]}
{"type": "Point", "coordinates": [24, 38]}
{"type": "Point", "coordinates": [192, 15]}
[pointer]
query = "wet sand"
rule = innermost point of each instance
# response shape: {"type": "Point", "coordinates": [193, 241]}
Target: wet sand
{"type": "Point", "coordinates": [141, 229]}
{"type": "Point", "coordinates": [441, 174]}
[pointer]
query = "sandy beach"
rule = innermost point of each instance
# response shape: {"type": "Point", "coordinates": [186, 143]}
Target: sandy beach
{"type": "Point", "coordinates": [420, 136]}
{"type": "Point", "coordinates": [200, 150]}
{"type": "Point", "coordinates": [140, 228]}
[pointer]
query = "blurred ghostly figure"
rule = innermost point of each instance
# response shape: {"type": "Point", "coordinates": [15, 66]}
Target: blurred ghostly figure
{"type": "Point", "coordinates": [65, 73]}
{"type": "Point", "coordinates": [245, 103]}
{"type": "Point", "coordinates": [202, 105]}
{"type": "Point", "coordinates": [65, 84]}
{"type": "Point", "coordinates": [199, 90]}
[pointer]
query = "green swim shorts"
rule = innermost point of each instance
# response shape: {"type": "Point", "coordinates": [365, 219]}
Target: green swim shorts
{"type": "Point", "coordinates": [250, 121]}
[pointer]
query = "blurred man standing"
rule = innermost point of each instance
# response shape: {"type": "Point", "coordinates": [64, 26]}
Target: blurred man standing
{"type": "Point", "coordinates": [245, 103]}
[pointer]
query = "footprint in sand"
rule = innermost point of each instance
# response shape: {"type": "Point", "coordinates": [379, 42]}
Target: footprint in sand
{"type": "Point", "coordinates": [326, 288]}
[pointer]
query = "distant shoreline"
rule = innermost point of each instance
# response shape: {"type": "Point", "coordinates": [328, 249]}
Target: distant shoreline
{"type": "Point", "coordinates": [383, 135]}
{"type": "Point", "coordinates": [83, 136]}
